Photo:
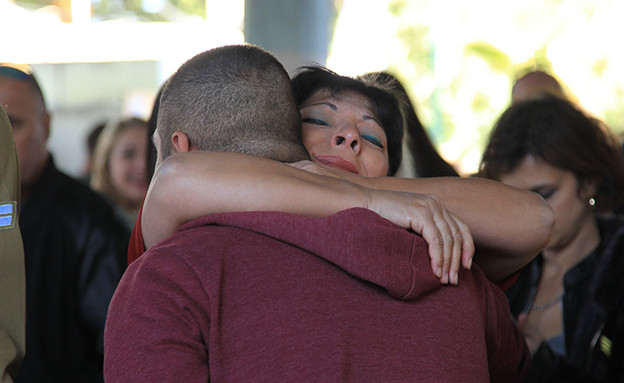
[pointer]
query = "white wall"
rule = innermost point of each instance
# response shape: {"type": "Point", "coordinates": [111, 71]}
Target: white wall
{"type": "Point", "coordinates": [80, 95]}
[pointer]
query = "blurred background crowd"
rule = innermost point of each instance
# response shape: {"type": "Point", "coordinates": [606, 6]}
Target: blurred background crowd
{"type": "Point", "coordinates": [99, 60]}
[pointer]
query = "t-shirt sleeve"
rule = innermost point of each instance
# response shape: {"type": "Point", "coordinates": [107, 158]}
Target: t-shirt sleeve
{"type": "Point", "coordinates": [136, 247]}
{"type": "Point", "coordinates": [157, 324]}
{"type": "Point", "coordinates": [506, 283]}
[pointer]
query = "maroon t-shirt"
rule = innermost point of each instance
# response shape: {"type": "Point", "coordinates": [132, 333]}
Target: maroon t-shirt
{"type": "Point", "coordinates": [268, 296]}
{"type": "Point", "coordinates": [136, 247]}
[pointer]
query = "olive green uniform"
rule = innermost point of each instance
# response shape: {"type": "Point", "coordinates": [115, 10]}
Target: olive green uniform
{"type": "Point", "coordinates": [12, 274]}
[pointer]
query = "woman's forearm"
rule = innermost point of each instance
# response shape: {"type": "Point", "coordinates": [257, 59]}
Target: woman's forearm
{"type": "Point", "coordinates": [509, 226]}
{"type": "Point", "coordinates": [190, 185]}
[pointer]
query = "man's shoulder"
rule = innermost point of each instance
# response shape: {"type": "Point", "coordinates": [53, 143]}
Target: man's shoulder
{"type": "Point", "coordinates": [257, 220]}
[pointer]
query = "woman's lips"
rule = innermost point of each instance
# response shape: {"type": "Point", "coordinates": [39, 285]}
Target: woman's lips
{"type": "Point", "coordinates": [338, 163]}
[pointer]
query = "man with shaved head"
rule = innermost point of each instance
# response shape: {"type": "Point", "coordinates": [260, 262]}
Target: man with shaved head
{"type": "Point", "coordinates": [536, 84]}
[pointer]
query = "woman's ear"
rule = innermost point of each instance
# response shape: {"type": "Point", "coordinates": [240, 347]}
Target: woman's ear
{"type": "Point", "coordinates": [180, 142]}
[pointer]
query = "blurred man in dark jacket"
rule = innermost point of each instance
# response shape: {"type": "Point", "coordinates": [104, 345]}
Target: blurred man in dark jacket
{"type": "Point", "coordinates": [74, 248]}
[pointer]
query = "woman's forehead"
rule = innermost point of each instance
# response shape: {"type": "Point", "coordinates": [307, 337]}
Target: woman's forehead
{"type": "Point", "coordinates": [350, 97]}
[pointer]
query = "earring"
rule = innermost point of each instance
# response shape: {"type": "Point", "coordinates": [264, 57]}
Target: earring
{"type": "Point", "coordinates": [592, 201]}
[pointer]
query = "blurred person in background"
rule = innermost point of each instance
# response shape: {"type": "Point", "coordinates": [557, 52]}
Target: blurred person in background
{"type": "Point", "coordinates": [119, 165]}
{"type": "Point", "coordinates": [12, 274]}
{"type": "Point", "coordinates": [534, 84]}
{"type": "Point", "coordinates": [90, 143]}
{"type": "Point", "coordinates": [74, 246]}
{"type": "Point", "coordinates": [569, 301]}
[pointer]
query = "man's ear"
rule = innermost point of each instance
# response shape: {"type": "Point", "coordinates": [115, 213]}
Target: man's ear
{"type": "Point", "coordinates": [180, 142]}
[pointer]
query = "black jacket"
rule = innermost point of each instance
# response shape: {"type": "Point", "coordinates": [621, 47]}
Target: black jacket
{"type": "Point", "coordinates": [75, 249]}
{"type": "Point", "coordinates": [593, 314]}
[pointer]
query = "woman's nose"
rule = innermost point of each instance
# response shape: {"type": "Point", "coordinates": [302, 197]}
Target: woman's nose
{"type": "Point", "coordinates": [347, 137]}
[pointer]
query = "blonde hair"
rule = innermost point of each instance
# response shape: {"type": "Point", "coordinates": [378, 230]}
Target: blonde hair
{"type": "Point", "coordinates": [100, 171]}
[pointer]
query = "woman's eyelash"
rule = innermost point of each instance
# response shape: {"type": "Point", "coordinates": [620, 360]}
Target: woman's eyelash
{"type": "Point", "coordinates": [373, 141]}
{"type": "Point", "coordinates": [315, 121]}
{"type": "Point", "coordinates": [546, 194]}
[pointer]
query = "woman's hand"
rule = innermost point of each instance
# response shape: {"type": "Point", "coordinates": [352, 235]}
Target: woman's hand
{"type": "Point", "coordinates": [449, 239]}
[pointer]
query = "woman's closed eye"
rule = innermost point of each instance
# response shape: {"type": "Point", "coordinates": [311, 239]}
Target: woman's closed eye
{"type": "Point", "coordinates": [314, 121]}
{"type": "Point", "coordinates": [545, 193]}
{"type": "Point", "coordinates": [373, 140]}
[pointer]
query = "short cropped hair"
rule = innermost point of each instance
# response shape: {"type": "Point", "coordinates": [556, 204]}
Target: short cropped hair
{"type": "Point", "coordinates": [235, 98]}
{"type": "Point", "coordinates": [311, 79]}
{"type": "Point", "coordinates": [562, 135]}
{"type": "Point", "coordinates": [24, 72]}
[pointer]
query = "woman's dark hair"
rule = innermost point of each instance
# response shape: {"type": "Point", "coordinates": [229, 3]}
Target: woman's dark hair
{"type": "Point", "coordinates": [560, 134]}
{"type": "Point", "coordinates": [151, 128]}
{"type": "Point", "coordinates": [427, 160]}
{"type": "Point", "coordinates": [311, 79]}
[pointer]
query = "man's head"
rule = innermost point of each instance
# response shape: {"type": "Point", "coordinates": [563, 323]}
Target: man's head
{"type": "Point", "coordinates": [234, 98]}
{"type": "Point", "coordinates": [21, 97]}
{"type": "Point", "coordinates": [536, 85]}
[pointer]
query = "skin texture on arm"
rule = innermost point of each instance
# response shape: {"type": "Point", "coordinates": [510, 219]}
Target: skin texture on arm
{"type": "Point", "coordinates": [191, 185]}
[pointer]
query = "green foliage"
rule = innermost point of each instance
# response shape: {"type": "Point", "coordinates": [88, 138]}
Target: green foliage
{"type": "Point", "coordinates": [419, 50]}
{"type": "Point", "coordinates": [34, 4]}
{"type": "Point", "coordinates": [614, 116]}
{"type": "Point", "coordinates": [600, 66]}
{"type": "Point", "coordinates": [191, 7]}
{"type": "Point", "coordinates": [480, 102]}
{"type": "Point", "coordinates": [397, 7]}
{"type": "Point", "coordinates": [494, 57]}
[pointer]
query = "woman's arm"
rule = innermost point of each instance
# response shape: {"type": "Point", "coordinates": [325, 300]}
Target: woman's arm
{"type": "Point", "coordinates": [509, 225]}
{"type": "Point", "coordinates": [191, 185]}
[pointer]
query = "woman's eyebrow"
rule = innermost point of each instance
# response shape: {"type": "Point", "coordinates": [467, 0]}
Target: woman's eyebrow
{"type": "Point", "coordinates": [367, 117]}
{"type": "Point", "coordinates": [329, 104]}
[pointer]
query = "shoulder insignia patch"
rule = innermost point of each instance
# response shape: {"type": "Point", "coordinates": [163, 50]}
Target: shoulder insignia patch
{"type": "Point", "coordinates": [8, 214]}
